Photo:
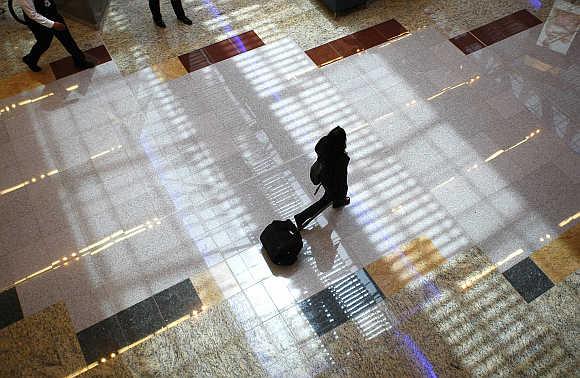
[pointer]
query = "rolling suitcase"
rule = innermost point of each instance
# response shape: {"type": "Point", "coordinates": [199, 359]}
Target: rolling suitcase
{"type": "Point", "coordinates": [282, 242]}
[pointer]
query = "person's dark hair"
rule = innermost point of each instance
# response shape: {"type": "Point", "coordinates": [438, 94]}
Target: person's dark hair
{"type": "Point", "coordinates": [337, 140]}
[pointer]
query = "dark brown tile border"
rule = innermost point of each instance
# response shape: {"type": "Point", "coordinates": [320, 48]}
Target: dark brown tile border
{"type": "Point", "coordinates": [467, 43]}
{"type": "Point", "coordinates": [356, 42]}
{"type": "Point", "coordinates": [370, 37]}
{"type": "Point", "coordinates": [221, 50]}
{"type": "Point", "coordinates": [347, 46]}
{"type": "Point", "coordinates": [323, 55]}
{"type": "Point", "coordinates": [391, 29]}
{"type": "Point", "coordinates": [194, 60]}
{"type": "Point", "coordinates": [505, 27]}
{"type": "Point", "coordinates": [66, 67]}
{"type": "Point", "coordinates": [198, 59]}
{"type": "Point", "coordinates": [247, 41]}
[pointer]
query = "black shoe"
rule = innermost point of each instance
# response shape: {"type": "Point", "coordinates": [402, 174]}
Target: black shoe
{"type": "Point", "coordinates": [185, 20]}
{"type": "Point", "coordinates": [341, 203]}
{"type": "Point", "coordinates": [87, 62]}
{"type": "Point", "coordinates": [33, 66]}
{"type": "Point", "coordinates": [160, 23]}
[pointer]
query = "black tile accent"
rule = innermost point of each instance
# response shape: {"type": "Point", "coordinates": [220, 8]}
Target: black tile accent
{"type": "Point", "coordinates": [10, 310]}
{"type": "Point", "coordinates": [528, 279]}
{"type": "Point", "coordinates": [101, 339]}
{"type": "Point", "coordinates": [140, 320]}
{"type": "Point", "coordinates": [341, 301]}
{"type": "Point", "coordinates": [177, 301]}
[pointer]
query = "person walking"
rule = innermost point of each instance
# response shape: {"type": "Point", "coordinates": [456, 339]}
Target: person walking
{"type": "Point", "coordinates": [177, 8]}
{"type": "Point", "coordinates": [331, 151]}
{"type": "Point", "coordinates": [44, 21]}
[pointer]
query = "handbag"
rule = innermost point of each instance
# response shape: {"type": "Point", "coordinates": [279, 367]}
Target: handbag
{"type": "Point", "coordinates": [316, 174]}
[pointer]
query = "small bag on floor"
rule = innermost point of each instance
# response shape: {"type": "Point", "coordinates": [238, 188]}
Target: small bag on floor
{"type": "Point", "coordinates": [282, 241]}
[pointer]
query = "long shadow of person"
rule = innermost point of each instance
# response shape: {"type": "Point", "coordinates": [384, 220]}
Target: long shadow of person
{"type": "Point", "coordinates": [321, 246]}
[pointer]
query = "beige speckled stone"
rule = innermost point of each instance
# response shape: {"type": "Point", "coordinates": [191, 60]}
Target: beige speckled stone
{"type": "Point", "coordinates": [486, 325]}
{"type": "Point", "coordinates": [207, 289]}
{"type": "Point", "coordinates": [561, 257]}
{"type": "Point", "coordinates": [25, 81]}
{"type": "Point", "coordinates": [43, 344]}
{"type": "Point", "coordinates": [211, 344]}
{"type": "Point", "coordinates": [559, 307]}
{"type": "Point", "coordinates": [395, 270]}
{"type": "Point", "coordinates": [485, 330]}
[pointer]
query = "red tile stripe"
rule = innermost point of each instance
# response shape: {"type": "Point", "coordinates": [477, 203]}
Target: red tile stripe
{"type": "Point", "coordinates": [495, 31]}
{"type": "Point", "coordinates": [66, 67]}
{"type": "Point", "coordinates": [354, 43]}
{"type": "Point", "coordinates": [221, 50]}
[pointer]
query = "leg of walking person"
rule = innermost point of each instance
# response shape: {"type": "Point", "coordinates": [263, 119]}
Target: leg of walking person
{"type": "Point", "coordinates": [179, 12]}
{"type": "Point", "coordinates": [73, 49]}
{"type": "Point", "coordinates": [312, 211]}
{"type": "Point", "coordinates": [156, 13]}
{"type": "Point", "coordinates": [43, 40]}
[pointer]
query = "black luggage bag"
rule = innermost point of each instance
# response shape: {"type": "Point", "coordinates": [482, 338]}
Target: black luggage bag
{"type": "Point", "coordinates": [282, 241]}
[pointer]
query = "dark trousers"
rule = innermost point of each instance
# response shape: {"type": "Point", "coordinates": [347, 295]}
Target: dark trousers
{"type": "Point", "coordinates": [44, 38]}
{"type": "Point", "coordinates": [313, 210]}
{"type": "Point", "coordinates": [156, 10]}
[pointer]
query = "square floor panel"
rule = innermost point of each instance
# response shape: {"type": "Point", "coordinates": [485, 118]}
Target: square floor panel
{"type": "Point", "coordinates": [10, 311]}
{"type": "Point", "coordinates": [177, 301]}
{"type": "Point", "coordinates": [528, 279]}
{"type": "Point", "coordinates": [340, 301]}
{"type": "Point", "coordinates": [101, 339]}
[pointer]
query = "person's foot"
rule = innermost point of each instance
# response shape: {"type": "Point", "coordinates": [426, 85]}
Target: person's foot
{"type": "Point", "coordinates": [87, 62]}
{"type": "Point", "coordinates": [185, 20]}
{"type": "Point", "coordinates": [160, 23]}
{"type": "Point", "coordinates": [341, 203]}
{"type": "Point", "coordinates": [32, 65]}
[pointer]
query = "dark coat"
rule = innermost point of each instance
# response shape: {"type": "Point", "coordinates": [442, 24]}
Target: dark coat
{"type": "Point", "coordinates": [331, 152]}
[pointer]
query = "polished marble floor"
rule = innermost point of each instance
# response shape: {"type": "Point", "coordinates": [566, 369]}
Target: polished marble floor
{"type": "Point", "coordinates": [132, 202]}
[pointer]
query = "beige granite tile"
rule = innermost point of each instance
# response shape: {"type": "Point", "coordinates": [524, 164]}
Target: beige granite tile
{"type": "Point", "coordinates": [487, 325]}
{"type": "Point", "coordinates": [207, 289]}
{"type": "Point", "coordinates": [43, 344]}
{"type": "Point", "coordinates": [25, 81]}
{"type": "Point", "coordinates": [410, 351]}
{"type": "Point", "coordinates": [559, 308]}
{"type": "Point", "coordinates": [209, 344]}
{"type": "Point", "coordinates": [169, 69]}
{"type": "Point", "coordinates": [560, 257]}
{"type": "Point", "coordinates": [394, 271]}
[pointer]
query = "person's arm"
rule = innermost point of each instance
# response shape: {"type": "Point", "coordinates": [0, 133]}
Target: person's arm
{"type": "Point", "coordinates": [339, 179]}
{"type": "Point", "coordinates": [28, 8]}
